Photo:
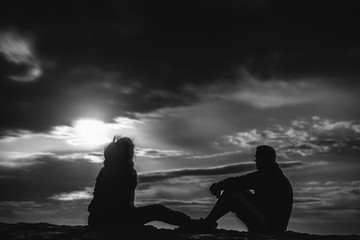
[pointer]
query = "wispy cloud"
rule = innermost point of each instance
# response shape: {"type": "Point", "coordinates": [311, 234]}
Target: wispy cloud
{"type": "Point", "coordinates": [19, 50]}
{"type": "Point", "coordinates": [95, 157]}
{"type": "Point", "coordinates": [238, 168]}
{"type": "Point", "coordinates": [328, 125]}
{"type": "Point", "coordinates": [11, 159]}
{"type": "Point", "coordinates": [39, 176]}
{"type": "Point", "coordinates": [270, 93]}
{"type": "Point", "coordinates": [276, 93]}
{"type": "Point", "coordinates": [214, 155]}
{"type": "Point", "coordinates": [158, 153]}
{"type": "Point", "coordinates": [328, 202]}
{"type": "Point", "coordinates": [303, 137]}
{"type": "Point", "coordinates": [73, 196]}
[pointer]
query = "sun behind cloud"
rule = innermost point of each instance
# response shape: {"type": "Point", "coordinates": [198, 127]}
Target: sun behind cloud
{"type": "Point", "coordinates": [90, 132]}
{"type": "Point", "coordinates": [84, 132]}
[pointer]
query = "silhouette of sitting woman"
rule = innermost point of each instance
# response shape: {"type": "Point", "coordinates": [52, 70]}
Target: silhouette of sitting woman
{"type": "Point", "coordinates": [113, 201]}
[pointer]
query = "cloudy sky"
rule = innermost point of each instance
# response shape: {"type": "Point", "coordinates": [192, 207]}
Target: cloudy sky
{"type": "Point", "coordinates": [197, 85]}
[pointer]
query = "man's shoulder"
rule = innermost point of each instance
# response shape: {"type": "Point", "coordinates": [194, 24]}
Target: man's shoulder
{"type": "Point", "coordinates": [252, 175]}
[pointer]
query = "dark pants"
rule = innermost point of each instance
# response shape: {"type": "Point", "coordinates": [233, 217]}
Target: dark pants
{"type": "Point", "coordinates": [243, 204]}
{"type": "Point", "coordinates": [137, 217]}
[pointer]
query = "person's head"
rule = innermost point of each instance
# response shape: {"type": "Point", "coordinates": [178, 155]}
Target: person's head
{"type": "Point", "coordinates": [265, 157]}
{"type": "Point", "coordinates": [120, 152]}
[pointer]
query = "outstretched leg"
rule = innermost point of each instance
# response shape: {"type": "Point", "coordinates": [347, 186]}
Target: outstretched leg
{"type": "Point", "coordinates": [158, 212]}
{"type": "Point", "coordinates": [243, 205]}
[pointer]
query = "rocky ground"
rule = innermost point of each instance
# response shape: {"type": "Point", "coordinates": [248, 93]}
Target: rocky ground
{"type": "Point", "coordinates": [41, 231]}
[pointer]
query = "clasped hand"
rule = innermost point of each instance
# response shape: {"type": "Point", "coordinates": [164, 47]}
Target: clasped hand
{"type": "Point", "coordinates": [215, 190]}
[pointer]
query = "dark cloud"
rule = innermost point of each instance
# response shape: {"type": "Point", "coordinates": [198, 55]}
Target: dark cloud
{"type": "Point", "coordinates": [104, 60]}
{"type": "Point", "coordinates": [328, 201]}
{"type": "Point", "coordinates": [48, 176]}
{"type": "Point", "coordinates": [5, 211]}
{"type": "Point", "coordinates": [176, 203]}
{"type": "Point", "coordinates": [157, 153]}
{"type": "Point", "coordinates": [45, 175]}
{"type": "Point", "coordinates": [238, 168]}
{"type": "Point", "coordinates": [8, 69]}
{"type": "Point", "coordinates": [306, 200]}
{"type": "Point", "coordinates": [32, 211]}
{"type": "Point", "coordinates": [186, 203]}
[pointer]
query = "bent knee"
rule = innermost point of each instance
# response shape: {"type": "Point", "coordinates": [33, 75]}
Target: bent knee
{"type": "Point", "coordinates": [229, 197]}
{"type": "Point", "coordinates": [236, 195]}
{"type": "Point", "coordinates": [237, 199]}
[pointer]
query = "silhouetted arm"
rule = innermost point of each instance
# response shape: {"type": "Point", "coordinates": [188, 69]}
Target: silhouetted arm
{"type": "Point", "coordinates": [244, 182]}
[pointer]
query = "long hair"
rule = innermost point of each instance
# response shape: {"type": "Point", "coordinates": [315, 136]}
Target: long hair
{"type": "Point", "coordinates": [120, 152]}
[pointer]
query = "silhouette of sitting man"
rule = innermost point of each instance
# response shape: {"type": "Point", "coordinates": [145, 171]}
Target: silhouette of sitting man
{"type": "Point", "coordinates": [261, 199]}
{"type": "Point", "coordinates": [114, 193]}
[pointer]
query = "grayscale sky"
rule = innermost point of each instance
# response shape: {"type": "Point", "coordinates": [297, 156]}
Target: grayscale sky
{"type": "Point", "coordinates": [197, 85]}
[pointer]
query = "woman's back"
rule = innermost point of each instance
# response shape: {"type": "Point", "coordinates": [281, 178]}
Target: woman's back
{"type": "Point", "coordinates": [114, 189]}
{"type": "Point", "coordinates": [113, 196]}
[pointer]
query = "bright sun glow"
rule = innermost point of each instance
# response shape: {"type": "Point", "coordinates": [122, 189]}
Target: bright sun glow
{"type": "Point", "coordinates": [90, 132]}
